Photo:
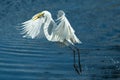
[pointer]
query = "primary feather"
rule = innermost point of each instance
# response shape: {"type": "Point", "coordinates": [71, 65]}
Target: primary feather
{"type": "Point", "coordinates": [32, 28]}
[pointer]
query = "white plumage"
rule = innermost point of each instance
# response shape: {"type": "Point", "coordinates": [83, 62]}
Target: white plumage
{"type": "Point", "coordinates": [61, 31]}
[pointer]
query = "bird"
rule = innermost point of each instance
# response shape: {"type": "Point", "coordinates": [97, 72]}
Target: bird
{"type": "Point", "coordinates": [59, 30]}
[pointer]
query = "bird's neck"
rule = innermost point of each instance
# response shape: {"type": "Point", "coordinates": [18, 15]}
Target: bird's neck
{"type": "Point", "coordinates": [45, 28]}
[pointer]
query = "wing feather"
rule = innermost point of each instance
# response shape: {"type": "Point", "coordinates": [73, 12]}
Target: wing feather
{"type": "Point", "coordinates": [32, 28]}
{"type": "Point", "coordinates": [65, 32]}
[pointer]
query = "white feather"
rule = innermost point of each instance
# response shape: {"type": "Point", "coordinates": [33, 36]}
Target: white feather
{"type": "Point", "coordinates": [64, 31]}
{"type": "Point", "coordinates": [32, 28]}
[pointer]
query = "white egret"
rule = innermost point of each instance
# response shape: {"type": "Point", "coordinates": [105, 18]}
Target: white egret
{"type": "Point", "coordinates": [61, 31]}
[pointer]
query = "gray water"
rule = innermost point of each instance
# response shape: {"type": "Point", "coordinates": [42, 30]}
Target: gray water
{"type": "Point", "coordinates": [97, 25]}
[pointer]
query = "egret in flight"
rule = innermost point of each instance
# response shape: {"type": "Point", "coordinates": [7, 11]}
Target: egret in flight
{"type": "Point", "coordinates": [59, 30]}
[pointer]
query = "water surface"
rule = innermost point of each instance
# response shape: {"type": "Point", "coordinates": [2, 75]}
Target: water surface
{"type": "Point", "coordinates": [97, 25]}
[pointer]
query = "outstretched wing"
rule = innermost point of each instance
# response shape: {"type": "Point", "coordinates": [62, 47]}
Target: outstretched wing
{"type": "Point", "coordinates": [64, 31]}
{"type": "Point", "coordinates": [33, 27]}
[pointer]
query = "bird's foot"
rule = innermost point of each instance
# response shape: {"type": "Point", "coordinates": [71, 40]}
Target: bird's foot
{"type": "Point", "coordinates": [76, 68]}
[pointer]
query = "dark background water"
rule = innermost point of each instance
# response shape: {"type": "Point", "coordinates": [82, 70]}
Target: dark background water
{"type": "Point", "coordinates": [97, 25]}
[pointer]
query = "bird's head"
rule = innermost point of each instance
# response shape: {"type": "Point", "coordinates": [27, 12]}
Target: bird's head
{"type": "Point", "coordinates": [41, 14]}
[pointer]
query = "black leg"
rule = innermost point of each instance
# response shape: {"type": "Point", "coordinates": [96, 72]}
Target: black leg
{"type": "Point", "coordinates": [74, 60]}
{"type": "Point", "coordinates": [79, 60]}
{"type": "Point", "coordinates": [78, 52]}
{"type": "Point", "coordinates": [75, 65]}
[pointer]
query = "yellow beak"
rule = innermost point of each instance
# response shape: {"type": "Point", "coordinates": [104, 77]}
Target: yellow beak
{"type": "Point", "coordinates": [37, 16]}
